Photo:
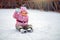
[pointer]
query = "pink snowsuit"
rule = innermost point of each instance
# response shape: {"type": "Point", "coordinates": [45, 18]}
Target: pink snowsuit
{"type": "Point", "coordinates": [20, 20]}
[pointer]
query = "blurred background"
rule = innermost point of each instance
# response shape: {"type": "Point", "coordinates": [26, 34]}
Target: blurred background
{"type": "Point", "coordinates": [47, 5]}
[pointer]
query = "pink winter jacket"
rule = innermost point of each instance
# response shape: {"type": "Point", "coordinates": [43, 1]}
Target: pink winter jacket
{"type": "Point", "coordinates": [20, 20]}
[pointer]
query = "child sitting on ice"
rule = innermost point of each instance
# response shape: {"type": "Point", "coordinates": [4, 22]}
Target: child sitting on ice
{"type": "Point", "coordinates": [22, 20]}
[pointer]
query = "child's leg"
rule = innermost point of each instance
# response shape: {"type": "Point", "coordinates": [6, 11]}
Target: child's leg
{"type": "Point", "coordinates": [25, 27]}
{"type": "Point", "coordinates": [29, 28]}
{"type": "Point", "coordinates": [18, 27]}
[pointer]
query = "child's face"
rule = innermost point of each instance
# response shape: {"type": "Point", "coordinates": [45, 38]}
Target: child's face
{"type": "Point", "coordinates": [24, 13]}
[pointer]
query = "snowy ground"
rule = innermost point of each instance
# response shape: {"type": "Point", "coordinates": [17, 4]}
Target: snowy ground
{"type": "Point", "coordinates": [46, 26]}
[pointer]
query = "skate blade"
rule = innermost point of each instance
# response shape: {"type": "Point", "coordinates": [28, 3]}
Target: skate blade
{"type": "Point", "coordinates": [30, 31]}
{"type": "Point", "coordinates": [24, 32]}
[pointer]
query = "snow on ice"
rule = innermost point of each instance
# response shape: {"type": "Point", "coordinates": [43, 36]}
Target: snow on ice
{"type": "Point", "coordinates": [46, 25]}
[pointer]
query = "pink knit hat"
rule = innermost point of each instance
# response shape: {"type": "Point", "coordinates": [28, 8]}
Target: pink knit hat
{"type": "Point", "coordinates": [23, 9]}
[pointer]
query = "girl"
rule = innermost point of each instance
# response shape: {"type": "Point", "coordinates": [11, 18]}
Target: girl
{"type": "Point", "coordinates": [22, 20]}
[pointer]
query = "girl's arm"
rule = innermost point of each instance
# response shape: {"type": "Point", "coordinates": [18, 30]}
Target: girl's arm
{"type": "Point", "coordinates": [15, 15]}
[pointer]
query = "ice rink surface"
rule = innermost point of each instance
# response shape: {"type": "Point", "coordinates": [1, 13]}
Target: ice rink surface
{"type": "Point", "coordinates": [46, 25]}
